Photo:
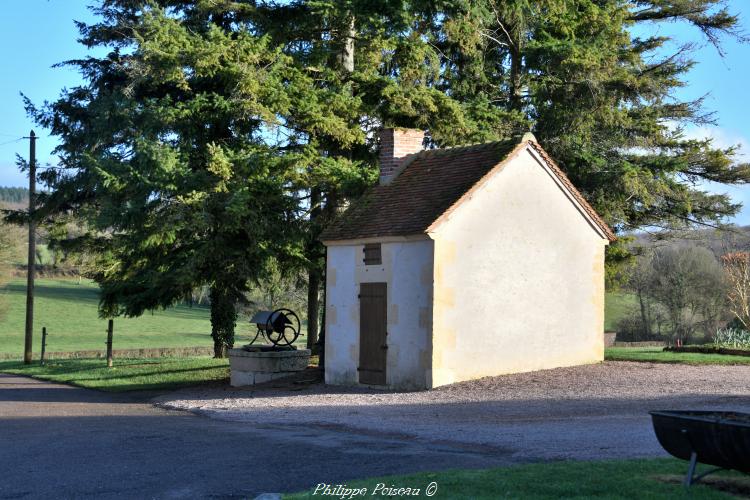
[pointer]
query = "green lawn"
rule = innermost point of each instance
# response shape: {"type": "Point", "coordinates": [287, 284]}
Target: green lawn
{"type": "Point", "coordinates": [658, 355]}
{"type": "Point", "coordinates": [649, 479]}
{"type": "Point", "coordinates": [69, 311]}
{"type": "Point", "coordinates": [127, 374]}
{"type": "Point", "coordinates": [616, 305]}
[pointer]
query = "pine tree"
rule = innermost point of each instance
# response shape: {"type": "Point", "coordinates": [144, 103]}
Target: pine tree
{"type": "Point", "coordinates": [601, 100]}
{"type": "Point", "coordinates": [218, 136]}
{"type": "Point", "coordinates": [168, 153]}
{"type": "Point", "coordinates": [375, 76]}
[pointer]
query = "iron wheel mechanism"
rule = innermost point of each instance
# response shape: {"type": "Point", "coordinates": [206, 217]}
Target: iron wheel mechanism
{"type": "Point", "coordinates": [283, 327]}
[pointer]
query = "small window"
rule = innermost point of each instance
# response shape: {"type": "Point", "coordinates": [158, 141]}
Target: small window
{"type": "Point", "coordinates": [372, 254]}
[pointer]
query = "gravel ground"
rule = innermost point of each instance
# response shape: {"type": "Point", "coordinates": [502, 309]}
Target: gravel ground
{"type": "Point", "coordinates": [585, 412]}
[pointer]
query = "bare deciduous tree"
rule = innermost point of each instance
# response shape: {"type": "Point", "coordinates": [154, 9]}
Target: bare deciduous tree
{"type": "Point", "coordinates": [737, 270]}
{"type": "Point", "coordinates": [681, 287]}
{"type": "Point", "coordinates": [689, 282]}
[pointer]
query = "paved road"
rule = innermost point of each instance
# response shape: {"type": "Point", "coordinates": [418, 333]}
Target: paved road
{"type": "Point", "coordinates": [58, 441]}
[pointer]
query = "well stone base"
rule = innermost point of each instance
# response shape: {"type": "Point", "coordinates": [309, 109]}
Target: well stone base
{"type": "Point", "coordinates": [250, 368]}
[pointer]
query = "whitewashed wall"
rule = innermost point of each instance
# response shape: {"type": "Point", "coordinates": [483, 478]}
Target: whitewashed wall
{"type": "Point", "coordinates": [407, 268]}
{"type": "Point", "coordinates": [519, 280]}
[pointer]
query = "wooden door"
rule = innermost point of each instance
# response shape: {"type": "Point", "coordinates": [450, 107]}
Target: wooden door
{"type": "Point", "coordinates": [373, 348]}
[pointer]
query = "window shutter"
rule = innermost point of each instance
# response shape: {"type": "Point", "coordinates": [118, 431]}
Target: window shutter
{"type": "Point", "coordinates": [372, 254]}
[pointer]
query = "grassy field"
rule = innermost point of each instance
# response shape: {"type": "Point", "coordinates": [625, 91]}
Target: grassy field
{"type": "Point", "coordinates": [650, 479]}
{"type": "Point", "coordinates": [69, 311]}
{"type": "Point", "coordinates": [657, 355]}
{"type": "Point", "coordinates": [616, 305]}
{"type": "Point", "coordinates": [127, 374]}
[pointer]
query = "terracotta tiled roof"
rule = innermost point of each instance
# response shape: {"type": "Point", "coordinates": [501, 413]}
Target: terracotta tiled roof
{"type": "Point", "coordinates": [432, 182]}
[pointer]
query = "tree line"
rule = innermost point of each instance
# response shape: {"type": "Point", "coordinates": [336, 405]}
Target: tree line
{"type": "Point", "coordinates": [212, 141]}
{"type": "Point", "coordinates": [689, 288]}
{"type": "Point", "coordinates": [14, 195]}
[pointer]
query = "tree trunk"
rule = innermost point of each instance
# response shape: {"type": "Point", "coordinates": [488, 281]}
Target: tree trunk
{"type": "Point", "coordinates": [515, 101]}
{"type": "Point", "coordinates": [223, 320]}
{"type": "Point", "coordinates": [220, 350]}
{"type": "Point", "coordinates": [511, 23]}
{"type": "Point", "coordinates": [313, 273]}
{"type": "Point", "coordinates": [644, 316]}
{"type": "Point", "coordinates": [347, 51]}
{"type": "Point", "coordinates": [313, 306]}
{"type": "Point", "coordinates": [314, 276]}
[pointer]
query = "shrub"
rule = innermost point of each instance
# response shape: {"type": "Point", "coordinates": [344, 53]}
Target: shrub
{"type": "Point", "coordinates": [631, 328]}
{"type": "Point", "coordinates": [732, 337]}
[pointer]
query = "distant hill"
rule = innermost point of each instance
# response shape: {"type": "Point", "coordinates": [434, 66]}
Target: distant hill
{"type": "Point", "coordinates": [731, 239]}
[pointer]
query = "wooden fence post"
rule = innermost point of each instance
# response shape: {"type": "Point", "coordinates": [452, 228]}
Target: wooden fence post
{"type": "Point", "coordinates": [110, 331]}
{"type": "Point", "coordinates": [44, 345]}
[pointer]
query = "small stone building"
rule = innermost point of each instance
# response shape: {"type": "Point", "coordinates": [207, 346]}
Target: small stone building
{"type": "Point", "coordinates": [463, 263]}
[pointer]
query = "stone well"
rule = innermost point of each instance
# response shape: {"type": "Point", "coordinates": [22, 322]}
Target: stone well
{"type": "Point", "coordinates": [255, 366]}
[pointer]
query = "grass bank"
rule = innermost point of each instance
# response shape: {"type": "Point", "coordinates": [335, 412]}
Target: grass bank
{"type": "Point", "coordinates": [655, 479]}
{"type": "Point", "coordinates": [658, 355]}
{"type": "Point", "coordinates": [616, 306]}
{"type": "Point", "coordinates": [127, 374]}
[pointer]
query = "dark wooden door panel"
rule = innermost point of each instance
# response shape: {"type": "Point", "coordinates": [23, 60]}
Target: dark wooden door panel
{"type": "Point", "coordinates": [373, 318]}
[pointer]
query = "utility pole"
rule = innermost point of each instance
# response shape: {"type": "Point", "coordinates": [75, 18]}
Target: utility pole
{"type": "Point", "coordinates": [31, 264]}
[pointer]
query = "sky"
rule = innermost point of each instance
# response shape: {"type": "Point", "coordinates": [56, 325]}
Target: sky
{"type": "Point", "coordinates": [36, 34]}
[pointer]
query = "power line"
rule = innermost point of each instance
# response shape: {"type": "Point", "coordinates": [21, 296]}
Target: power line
{"type": "Point", "coordinates": [10, 142]}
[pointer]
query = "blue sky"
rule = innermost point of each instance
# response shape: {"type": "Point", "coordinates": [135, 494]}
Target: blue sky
{"type": "Point", "coordinates": [36, 34]}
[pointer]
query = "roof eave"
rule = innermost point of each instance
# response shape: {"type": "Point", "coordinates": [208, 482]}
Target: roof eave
{"type": "Point", "coordinates": [376, 239]}
{"type": "Point", "coordinates": [589, 212]}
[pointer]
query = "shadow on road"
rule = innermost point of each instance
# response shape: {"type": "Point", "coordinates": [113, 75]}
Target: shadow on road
{"type": "Point", "coordinates": [70, 442]}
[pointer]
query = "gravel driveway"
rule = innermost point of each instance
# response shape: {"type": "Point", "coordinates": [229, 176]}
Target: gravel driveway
{"type": "Point", "coordinates": [586, 412]}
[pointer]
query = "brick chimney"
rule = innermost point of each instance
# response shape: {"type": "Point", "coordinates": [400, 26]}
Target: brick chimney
{"type": "Point", "coordinates": [395, 145]}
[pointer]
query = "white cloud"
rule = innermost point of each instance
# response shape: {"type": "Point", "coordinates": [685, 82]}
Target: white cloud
{"type": "Point", "coordinates": [724, 138]}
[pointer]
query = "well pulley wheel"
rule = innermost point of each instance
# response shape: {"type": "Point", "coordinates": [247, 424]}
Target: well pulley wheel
{"type": "Point", "coordinates": [282, 327]}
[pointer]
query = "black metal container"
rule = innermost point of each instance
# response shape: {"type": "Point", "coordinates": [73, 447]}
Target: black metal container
{"type": "Point", "coordinates": [719, 438]}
